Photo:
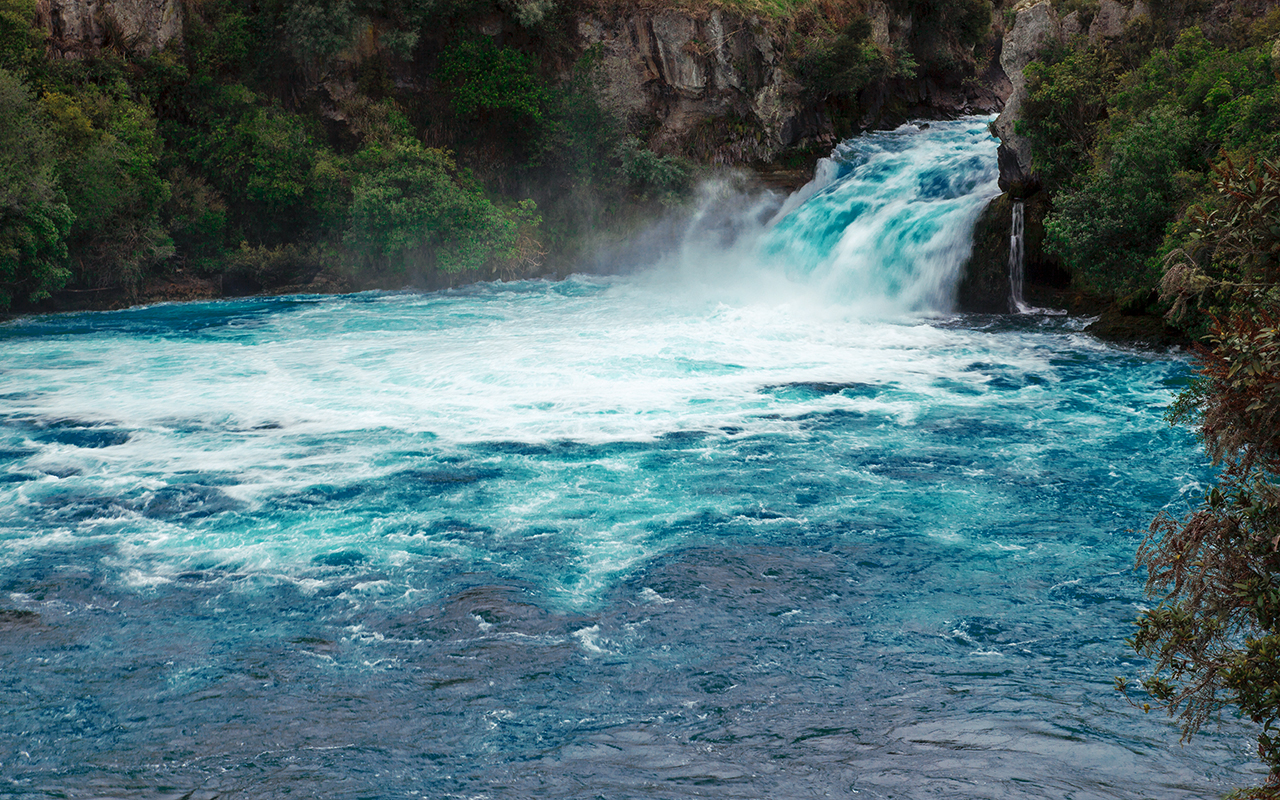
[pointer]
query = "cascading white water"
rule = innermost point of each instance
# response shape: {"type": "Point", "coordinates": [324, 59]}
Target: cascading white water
{"type": "Point", "coordinates": [882, 230]}
{"type": "Point", "coordinates": [1017, 259]}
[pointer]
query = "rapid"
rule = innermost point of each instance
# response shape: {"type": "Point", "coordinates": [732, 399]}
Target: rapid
{"type": "Point", "coordinates": [757, 517]}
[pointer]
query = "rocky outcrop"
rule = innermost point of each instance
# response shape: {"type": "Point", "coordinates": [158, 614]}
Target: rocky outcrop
{"type": "Point", "coordinates": [1036, 27]}
{"type": "Point", "coordinates": [984, 286]}
{"type": "Point", "coordinates": [686, 73]}
{"type": "Point", "coordinates": [1111, 18]}
{"type": "Point", "coordinates": [716, 86]}
{"type": "Point", "coordinates": [137, 26]}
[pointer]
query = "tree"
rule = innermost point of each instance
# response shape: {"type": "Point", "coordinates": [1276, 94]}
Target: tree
{"type": "Point", "coordinates": [497, 88]}
{"type": "Point", "coordinates": [1214, 635]}
{"type": "Point", "coordinates": [20, 39]}
{"type": "Point", "coordinates": [414, 209]}
{"type": "Point", "coordinates": [34, 218]}
{"type": "Point", "coordinates": [1108, 228]}
{"type": "Point", "coordinates": [108, 155]}
{"type": "Point", "coordinates": [1066, 102]}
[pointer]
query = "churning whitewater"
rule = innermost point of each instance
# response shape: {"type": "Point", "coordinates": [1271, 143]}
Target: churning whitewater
{"type": "Point", "coordinates": [758, 518]}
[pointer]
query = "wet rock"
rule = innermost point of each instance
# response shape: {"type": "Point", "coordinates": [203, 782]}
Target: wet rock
{"type": "Point", "coordinates": [1113, 325]}
{"type": "Point", "coordinates": [984, 285]}
{"type": "Point", "coordinates": [1015, 178]}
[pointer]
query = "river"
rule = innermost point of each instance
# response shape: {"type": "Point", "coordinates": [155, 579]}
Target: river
{"type": "Point", "coordinates": [757, 517]}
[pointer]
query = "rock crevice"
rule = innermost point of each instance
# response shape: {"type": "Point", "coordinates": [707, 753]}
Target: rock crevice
{"type": "Point", "coordinates": [683, 72]}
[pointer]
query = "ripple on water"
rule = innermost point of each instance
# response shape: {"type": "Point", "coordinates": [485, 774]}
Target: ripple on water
{"type": "Point", "coordinates": [699, 532]}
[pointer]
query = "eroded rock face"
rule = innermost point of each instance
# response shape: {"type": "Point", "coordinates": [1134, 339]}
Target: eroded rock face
{"type": "Point", "coordinates": [984, 286]}
{"type": "Point", "coordinates": [138, 26]}
{"type": "Point", "coordinates": [695, 77]}
{"type": "Point", "coordinates": [1037, 26]}
{"type": "Point", "coordinates": [1112, 17]}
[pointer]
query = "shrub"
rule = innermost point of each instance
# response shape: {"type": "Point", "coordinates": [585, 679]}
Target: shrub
{"type": "Point", "coordinates": [319, 29]}
{"type": "Point", "coordinates": [34, 218]}
{"type": "Point", "coordinates": [664, 177]}
{"type": "Point", "coordinates": [413, 209]}
{"type": "Point", "coordinates": [1214, 634]}
{"type": "Point", "coordinates": [1107, 230]}
{"type": "Point", "coordinates": [20, 39]}
{"type": "Point", "coordinates": [1233, 94]}
{"type": "Point", "coordinates": [846, 64]}
{"type": "Point", "coordinates": [965, 21]}
{"type": "Point", "coordinates": [579, 137]}
{"type": "Point", "coordinates": [108, 163]}
{"type": "Point", "coordinates": [1066, 101]}
{"type": "Point", "coordinates": [279, 182]}
{"type": "Point", "coordinates": [484, 81]}
{"type": "Point", "coordinates": [196, 218]}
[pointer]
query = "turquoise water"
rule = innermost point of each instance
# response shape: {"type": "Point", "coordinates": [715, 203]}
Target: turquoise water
{"type": "Point", "coordinates": [759, 520]}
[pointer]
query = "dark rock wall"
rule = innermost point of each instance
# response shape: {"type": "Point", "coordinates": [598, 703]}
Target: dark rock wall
{"type": "Point", "coordinates": [984, 287]}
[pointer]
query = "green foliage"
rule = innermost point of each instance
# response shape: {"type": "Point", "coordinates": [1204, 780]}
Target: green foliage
{"type": "Point", "coordinates": [196, 218]}
{"type": "Point", "coordinates": [1067, 95]}
{"type": "Point", "coordinates": [20, 40]}
{"type": "Point", "coordinates": [664, 177]}
{"type": "Point", "coordinates": [483, 79]}
{"type": "Point", "coordinates": [1126, 153]}
{"type": "Point", "coordinates": [1085, 8]}
{"type": "Point", "coordinates": [34, 218]}
{"type": "Point", "coordinates": [1233, 94]}
{"type": "Point", "coordinates": [220, 39]}
{"type": "Point", "coordinates": [108, 157]}
{"type": "Point", "coordinates": [319, 29]}
{"type": "Point", "coordinates": [1214, 634]}
{"type": "Point", "coordinates": [848, 63]}
{"type": "Point", "coordinates": [1107, 230]}
{"type": "Point", "coordinates": [1228, 249]}
{"type": "Point", "coordinates": [277, 180]}
{"type": "Point", "coordinates": [252, 268]}
{"type": "Point", "coordinates": [530, 13]}
{"type": "Point", "coordinates": [967, 22]}
{"type": "Point", "coordinates": [413, 209]}
{"type": "Point", "coordinates": [579, 137]}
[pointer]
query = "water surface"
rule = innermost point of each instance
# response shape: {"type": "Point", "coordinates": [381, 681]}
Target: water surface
{"type": "Point", "coordinates": [756, 521]}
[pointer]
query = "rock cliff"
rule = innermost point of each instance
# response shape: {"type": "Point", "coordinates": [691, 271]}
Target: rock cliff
{"type": "Point", "coordinates": [1036, 28]}
{"type": "Point", "coordinates": [136, 26]}
{"type": "Point", "coordinates": [714, 86]}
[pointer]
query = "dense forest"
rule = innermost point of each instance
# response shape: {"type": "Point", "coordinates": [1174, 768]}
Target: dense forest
{"type": "Point", "coordinates": [336, 144]}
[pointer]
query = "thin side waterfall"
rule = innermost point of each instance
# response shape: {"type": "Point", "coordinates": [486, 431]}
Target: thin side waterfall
{"type": "Point", "coordinates": [1017, 259]}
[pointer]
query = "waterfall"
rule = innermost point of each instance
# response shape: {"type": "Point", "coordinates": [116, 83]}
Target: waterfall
{"type": "Point", "coordinates": [884, 228]}
{"type": "Point", "coordinates": [1017, 259]}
